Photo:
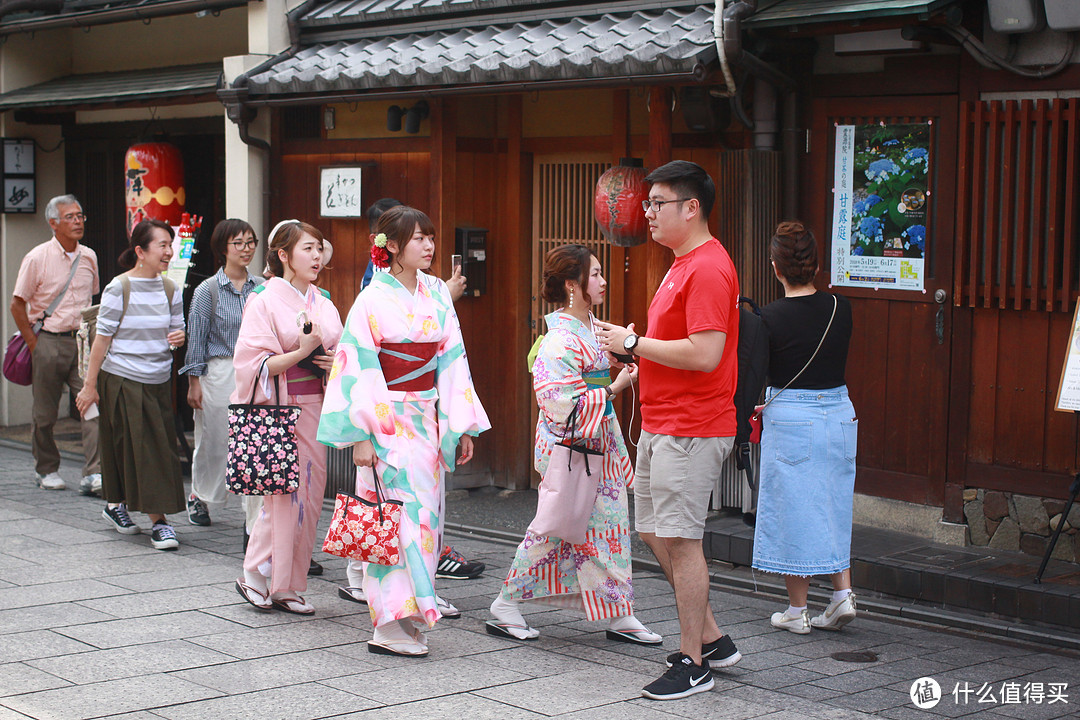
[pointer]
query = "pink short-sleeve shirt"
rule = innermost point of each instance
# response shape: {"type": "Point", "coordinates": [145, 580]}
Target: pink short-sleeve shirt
{"type": "Point", "coordinates": [42, 276]}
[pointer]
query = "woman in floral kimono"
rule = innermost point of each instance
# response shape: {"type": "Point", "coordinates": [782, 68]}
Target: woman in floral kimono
{"type": "Point", "coordinates": [287, 320]}
{"type": "Point", "coordinates": [570, 371]}
{"type": "Point", "coordinates": [402, 396]}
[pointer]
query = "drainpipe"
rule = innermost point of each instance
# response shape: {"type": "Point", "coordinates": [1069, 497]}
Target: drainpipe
{"type": "Point", "coordinates": [234, 95]}
{"type": "Point", "coordinates": [727, 33]}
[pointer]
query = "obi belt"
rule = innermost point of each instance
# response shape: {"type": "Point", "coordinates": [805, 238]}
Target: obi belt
{"type": "Point", "coordinates": [300, 381]}
{"type": "Point", "coordinates": [409, 367]}
{"type": "Point", "coordinates": [598, 379]}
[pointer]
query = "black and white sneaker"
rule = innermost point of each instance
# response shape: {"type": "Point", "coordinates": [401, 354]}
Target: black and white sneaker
{"type": "Point", "coordinates": [682, 679]}
{"type": "Point", "coordinates": [163, 537]}
{"type": "Point", "coordinates": [453, 566]}
{"type": "Point", "coordinates": [197, 512]}
{"type": "Point", "coordinates": [720, 653]}
{"type": "Point", "coordinates": [120, 519]}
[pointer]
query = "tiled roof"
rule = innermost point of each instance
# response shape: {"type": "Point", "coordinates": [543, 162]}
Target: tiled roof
{"type": "Point", "coordinates": [780, 13]}
{"type": "Point", "coordinates": [115, 87]}
{"type": "Point", "coordinates": [338, 11]}
{"type": "Point", "coordinates": [610, 45]}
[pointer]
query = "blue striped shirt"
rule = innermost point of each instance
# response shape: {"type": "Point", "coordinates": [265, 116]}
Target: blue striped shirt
{"type": "Point", "coordinates": [208, 339]}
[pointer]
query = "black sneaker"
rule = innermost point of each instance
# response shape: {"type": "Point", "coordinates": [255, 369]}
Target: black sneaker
{"type": "Point", "coordinates": [163, 537]}
{"type": "Point", "coordinates": [453, 566]}
{"type": "Point", "coordinates": [682, 679]}
{"type": "Point", "coordinates": [197, 512]}
{"type": "Point", "coordinates": [314, 569]}
{"type": "Point", "coordinates": [720, 653]}
{"type": "Point", "coordinates": [120, 519]}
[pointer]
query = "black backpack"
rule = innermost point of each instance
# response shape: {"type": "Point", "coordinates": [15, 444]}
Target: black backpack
{"type": "Point", "coordinates": [753, 366]}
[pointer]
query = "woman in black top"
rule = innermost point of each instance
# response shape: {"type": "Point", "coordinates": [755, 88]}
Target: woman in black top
{"type": "Point", "coordinates": [808, 439]}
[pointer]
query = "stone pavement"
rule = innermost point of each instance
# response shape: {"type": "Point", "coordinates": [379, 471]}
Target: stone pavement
{"type": "Point", "coordinates": [96, 624]}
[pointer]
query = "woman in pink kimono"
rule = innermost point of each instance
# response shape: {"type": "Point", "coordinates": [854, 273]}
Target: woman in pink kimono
{"type": "Point", "coordinates": [570, 372]}
{"type": "Point", "coordinates": [402, 396]}
{"type": "Point", "coordinates": [286, 321]}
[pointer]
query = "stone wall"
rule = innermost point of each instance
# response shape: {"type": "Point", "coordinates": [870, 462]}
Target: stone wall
{"type": "Point", "coordinates": [1009, 521]}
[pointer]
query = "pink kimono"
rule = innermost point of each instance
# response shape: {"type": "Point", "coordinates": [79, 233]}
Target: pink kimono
{"type": "Point", "coordinates": [284, 533]}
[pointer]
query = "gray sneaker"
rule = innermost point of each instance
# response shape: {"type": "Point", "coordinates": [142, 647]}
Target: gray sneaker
{"type": "Point", "coordinates": [90, 484]}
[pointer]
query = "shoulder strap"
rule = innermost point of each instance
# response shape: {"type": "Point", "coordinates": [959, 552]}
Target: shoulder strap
{"type": "Point", "coordinates": [170, 290]}
{"type": "Point", "coordinates": [125, 287]}
{"type": "Point", "coordinates": [71, 275]}
{"type": "Point", "coordinates": [215, 290]}
{"type": "Point", "coordinates": [820, 343]}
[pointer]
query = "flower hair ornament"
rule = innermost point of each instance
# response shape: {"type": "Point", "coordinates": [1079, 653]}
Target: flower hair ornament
{"type": "Point", "coordinates": [380, 256]}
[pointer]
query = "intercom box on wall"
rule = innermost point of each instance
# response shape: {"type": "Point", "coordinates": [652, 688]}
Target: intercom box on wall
{"type": "Point", "coordinates": [471, 244]}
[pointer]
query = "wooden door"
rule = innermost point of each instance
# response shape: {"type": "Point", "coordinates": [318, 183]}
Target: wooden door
{"type": "Point", "coordinates": [899, 363]}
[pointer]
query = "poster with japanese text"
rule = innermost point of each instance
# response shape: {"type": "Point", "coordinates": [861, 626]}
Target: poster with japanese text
{"type": "Point", "coordinates": [881, 198]}
{"type": "Point", "coordinates": [1068, 397]}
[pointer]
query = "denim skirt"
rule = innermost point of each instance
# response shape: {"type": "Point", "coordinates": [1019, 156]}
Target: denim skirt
{"type": "Point", "coordinates": [807, 485]}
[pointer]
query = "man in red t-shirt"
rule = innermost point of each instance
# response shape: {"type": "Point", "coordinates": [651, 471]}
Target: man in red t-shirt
{"type": "Point", "coordinates": [688, 363]}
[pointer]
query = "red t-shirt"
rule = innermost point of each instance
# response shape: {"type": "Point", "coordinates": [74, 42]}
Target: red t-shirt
{"type": "Point", "coordinates": [700, 292]}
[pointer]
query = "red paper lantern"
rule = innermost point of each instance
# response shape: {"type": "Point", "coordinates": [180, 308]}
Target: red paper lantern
{"type": "Point", "coordinates": [153, 183]}
{"type": "Point", "coordinates": [619, 193]}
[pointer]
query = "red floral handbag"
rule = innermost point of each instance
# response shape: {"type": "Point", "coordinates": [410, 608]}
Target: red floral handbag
{"type": "Point", "coordinates": [364, 530]}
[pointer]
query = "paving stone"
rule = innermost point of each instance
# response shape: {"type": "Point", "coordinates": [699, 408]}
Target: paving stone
{"type": "Point", "coordinates": [465, 705]}
{"type": "Point", "coordinates": [854, 681]}
{"type": "Point", "coordinates": [569, 692]}
{"type": "Point", "coordinates": [248, 643]}
{"type": "Point", "coordinates": [871, 700]}
{"type": "Point", "coordinates": [307, 700]}
{"type": "Point", "coordinates": [132, 661]}
{"type": "Point", "coordinates": [136, 631]}
{"type": "Point", "coordinates": [18, 678]}
{"type": "Point", "coordinates": [129, 605]}
{"type": "Point", "coordinates": [107, 698]}
{"type": "Point", "coordinates": [45, 617]}
{"type": "Point", "coordinates": [18, 647]}
{"type": "Point", "coordinates": [19, 597]}
{"type": "Point", "coordinates": [780, 678]}
{"type": "Point", "coordinates": [441, 677]}
{"type": "Point", "coordinates": [234, 678]}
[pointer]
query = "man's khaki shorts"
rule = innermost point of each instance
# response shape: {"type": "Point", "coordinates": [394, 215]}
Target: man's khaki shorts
{"type": "Point", "coordinates": [674, 478]}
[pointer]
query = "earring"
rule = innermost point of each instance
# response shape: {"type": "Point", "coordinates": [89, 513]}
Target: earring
{"type": "Point", "coordinates": [140, 263]}
{"type": "Point", "coordinates": [571, 299]}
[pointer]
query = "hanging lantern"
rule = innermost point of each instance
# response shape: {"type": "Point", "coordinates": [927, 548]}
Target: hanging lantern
{"type": "Point", "coordinates": [617, 205]}
{"type": "Point", "coordinates": [153, 183]}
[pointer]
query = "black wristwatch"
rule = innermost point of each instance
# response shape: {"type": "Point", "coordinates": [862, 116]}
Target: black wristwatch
{"type": "Point", "coordinates": [630, 343]}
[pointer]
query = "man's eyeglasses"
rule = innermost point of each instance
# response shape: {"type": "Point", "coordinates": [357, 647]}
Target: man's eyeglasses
{"type": "Point", "coordinates": [655, 205]}
{"type": "Point", "coordinates": [244, 245]}
{"type": "Point", "coordinates": [72, 217]}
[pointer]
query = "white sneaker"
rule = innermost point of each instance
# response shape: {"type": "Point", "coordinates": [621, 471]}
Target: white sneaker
{"type": "Point", "coordinates": [52, 481]}
{"type": "Point", "coordinates": [446, 608]}
{"type": "Point", "coordinates": [837, 614]}
{"type": "Point", "coordinates": [798, 624]}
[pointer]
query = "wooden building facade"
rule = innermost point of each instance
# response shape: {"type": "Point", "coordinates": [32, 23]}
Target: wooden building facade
{"type": "Point", "coordinates": [528, 102]}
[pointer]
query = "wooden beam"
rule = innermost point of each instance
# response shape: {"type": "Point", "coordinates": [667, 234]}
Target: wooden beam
{"type": "Point", "coordinates": [659, 257]}
{"type": "Point", "coordinates": [443, 176]}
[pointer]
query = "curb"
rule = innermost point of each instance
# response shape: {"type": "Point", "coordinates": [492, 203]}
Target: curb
{"type": "Point", "coordinates": [884, 608]}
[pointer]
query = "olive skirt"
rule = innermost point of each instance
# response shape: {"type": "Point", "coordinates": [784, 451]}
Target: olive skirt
{"type": "Point", "coordinates": [139, 464]}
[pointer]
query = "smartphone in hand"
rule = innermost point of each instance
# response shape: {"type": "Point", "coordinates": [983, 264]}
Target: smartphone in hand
{"type": "Point", "coordinates": [455, 264]}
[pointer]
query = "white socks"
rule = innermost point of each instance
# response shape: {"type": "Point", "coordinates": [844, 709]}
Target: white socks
{"type": "Point", "coordinates": [839, 595]}
{"type": "Point", "coordinates": [793, 611]}
{"type": "Point", "coordinates": [627, 623]}
{"type": "Point", "coordinates": [506, 612]}
{"type": "Point", "coordinates": [354, 573]}
{"type": "Point", "coordinates": [256, 580]}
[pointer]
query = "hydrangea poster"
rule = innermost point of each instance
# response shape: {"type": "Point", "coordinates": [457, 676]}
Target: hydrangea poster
{"type": "Point", "coordinates": [881, 198]}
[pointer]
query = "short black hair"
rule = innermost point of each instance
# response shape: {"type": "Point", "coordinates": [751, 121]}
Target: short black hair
{"type": "Point", "coordinates": [378, 208]}
{"type": "Point", "coordinates": [688, 180]}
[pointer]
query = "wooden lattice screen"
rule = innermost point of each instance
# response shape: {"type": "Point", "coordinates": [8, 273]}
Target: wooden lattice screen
{"type": "Point", "coordinates": [1017, 242]}
{"type": "Point", "coordinates": [563, 213]}
{"type": "Point", "coordinates": [748, 210]}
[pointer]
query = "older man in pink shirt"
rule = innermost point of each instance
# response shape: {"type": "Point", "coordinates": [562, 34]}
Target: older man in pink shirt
{"type": "Point", "coordinates": [43, 275]}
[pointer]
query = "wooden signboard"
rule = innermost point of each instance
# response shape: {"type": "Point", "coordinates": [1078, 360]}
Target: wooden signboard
{"type": "Point", "coordinates": [1068, 397]}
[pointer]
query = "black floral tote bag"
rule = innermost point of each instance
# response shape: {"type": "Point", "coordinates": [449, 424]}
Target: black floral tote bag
{"type": "Point", "coordinates": [263, 456]}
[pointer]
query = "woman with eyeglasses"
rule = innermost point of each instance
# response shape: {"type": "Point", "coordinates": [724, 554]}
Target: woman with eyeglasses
{"type": "Point", "coordinates": [217, 305]}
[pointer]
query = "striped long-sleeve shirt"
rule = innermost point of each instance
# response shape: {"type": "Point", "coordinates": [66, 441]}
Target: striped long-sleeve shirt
{"type": "Point", "coordinates": [139, 349]}
{"type": "Point", "coordinates": [210, 337]}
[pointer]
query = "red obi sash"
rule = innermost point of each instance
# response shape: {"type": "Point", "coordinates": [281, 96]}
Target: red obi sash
{"type": "Point", "coordinates": [300, 381]}
{"type": "Point", "coordinates": [409, 367]}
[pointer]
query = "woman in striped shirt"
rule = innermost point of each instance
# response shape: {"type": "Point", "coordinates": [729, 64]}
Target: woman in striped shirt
{"type": "Point", "coordinates": [140, 323]}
